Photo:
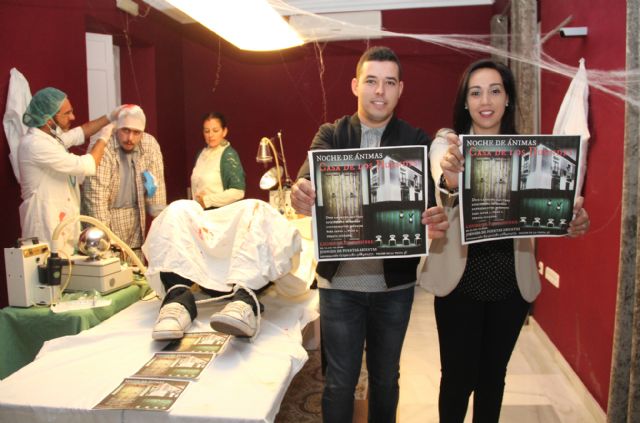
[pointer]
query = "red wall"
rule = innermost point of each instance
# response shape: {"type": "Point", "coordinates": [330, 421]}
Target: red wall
{"type": "Point", "coordinates": [261, 93]}
{"type": "Point", "coordinates": [579, 316]}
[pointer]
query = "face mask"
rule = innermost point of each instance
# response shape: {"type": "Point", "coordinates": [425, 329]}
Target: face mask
{"type": "Point", "coordinates": [56, 131]}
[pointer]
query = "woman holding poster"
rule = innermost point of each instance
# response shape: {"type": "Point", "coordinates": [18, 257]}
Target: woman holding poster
{"type": "Point", "coordinates": [483, 290]}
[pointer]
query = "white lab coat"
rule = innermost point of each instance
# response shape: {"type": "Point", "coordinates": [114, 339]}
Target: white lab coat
{"type": "Point", "coordinates": [247, 242]}
{"type": "Point", "coordinates": [18, 99]}
{"type": "Point", "coordinates": [47, 193]}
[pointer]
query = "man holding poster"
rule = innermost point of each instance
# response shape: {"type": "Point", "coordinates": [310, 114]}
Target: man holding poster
{"type": "Point", "coordinates": [366, 300]}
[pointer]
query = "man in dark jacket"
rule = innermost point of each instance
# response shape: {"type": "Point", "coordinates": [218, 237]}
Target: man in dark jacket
{"type": "Point", "coordinates": [366, 301]}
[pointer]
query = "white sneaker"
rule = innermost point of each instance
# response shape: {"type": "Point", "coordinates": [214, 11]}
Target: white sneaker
{"type": "Point", "coordinates": [236, 318]}
{"type": "Point", "coordinates": [171, 323]}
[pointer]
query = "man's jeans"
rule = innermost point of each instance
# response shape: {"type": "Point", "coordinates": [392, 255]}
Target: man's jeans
{"type": "Point", "coordinates": [185, 297]}
{"type": "Point", "coordinates": [347, 319]}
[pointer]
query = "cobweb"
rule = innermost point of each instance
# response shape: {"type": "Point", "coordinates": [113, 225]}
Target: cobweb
{"type": "Point", "coordinates": [621, 84]}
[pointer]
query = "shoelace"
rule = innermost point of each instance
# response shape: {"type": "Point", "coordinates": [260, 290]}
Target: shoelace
{"type": "Point", "coordinates": [236, 287]}
{"type": "Point", "coordinates": [238, 307]}
{"type": "Point", "coordinates": [170, 311]}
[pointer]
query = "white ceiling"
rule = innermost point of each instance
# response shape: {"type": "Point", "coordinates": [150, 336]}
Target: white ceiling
{"type": "Point", "coordinates": [331, 6]}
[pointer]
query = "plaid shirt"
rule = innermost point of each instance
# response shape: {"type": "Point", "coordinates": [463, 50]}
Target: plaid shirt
{"type": "Point", "coordinates": [100, 191]}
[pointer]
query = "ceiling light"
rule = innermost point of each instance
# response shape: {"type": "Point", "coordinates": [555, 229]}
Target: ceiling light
{"type": "Point", "coordinates": [248, 24]}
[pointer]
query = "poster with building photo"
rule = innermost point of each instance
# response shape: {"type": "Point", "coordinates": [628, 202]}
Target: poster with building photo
{"type": "Point", "coordinates": [517, 186]}
{"type": "Point", "coordinates": [174, 366]}
{"type": "Point", "coordinates": [369, 202]}
{"type": "Point", "coordinates": [144, 394]}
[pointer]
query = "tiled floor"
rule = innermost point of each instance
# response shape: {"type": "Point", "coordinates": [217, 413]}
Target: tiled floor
{"type": "Point", "coordinates": [537, 390]}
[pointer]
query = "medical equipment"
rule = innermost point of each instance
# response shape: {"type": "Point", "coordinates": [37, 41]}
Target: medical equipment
{"type": "Point", "coordinates": [95, 271]}
{"type": "Point", "coordinates": [35, 271]}
{"type": "Point", "coordinates": [23, 284]}
{"type": "Point", "coordinates": [104, 275]}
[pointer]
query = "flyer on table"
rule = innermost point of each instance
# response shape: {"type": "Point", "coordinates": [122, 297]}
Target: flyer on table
{"type": "Point", "coordinates": [516, 186]}
{"type": "Point", "coordinates": [369, 202]}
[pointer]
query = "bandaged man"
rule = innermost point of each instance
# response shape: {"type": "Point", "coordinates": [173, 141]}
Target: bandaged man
{"type": "Point", "coordinates": [129, 183]}
{"type": "Point", "coordinates": [235, 250]}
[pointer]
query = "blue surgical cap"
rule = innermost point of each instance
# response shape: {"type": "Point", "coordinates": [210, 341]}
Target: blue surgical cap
{"type": "Point", "coordinates": [43, 106]}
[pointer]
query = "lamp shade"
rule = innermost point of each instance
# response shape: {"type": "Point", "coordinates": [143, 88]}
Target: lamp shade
{"type": "Point", "coordinates": [264, 151]}
{"type": "Point", "coordinates": [270, 178]}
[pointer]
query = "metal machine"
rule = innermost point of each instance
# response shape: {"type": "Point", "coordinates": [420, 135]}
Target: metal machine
{"type": "Point", "coordinates": [36, 275]}
{"type": "Point", "coordinates": [23, 282]}
{"type": "Point", "coordinates": [102, 274]}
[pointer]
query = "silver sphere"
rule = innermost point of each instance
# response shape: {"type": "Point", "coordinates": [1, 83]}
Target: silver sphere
{"type": "Point", "coordinates": [93, 242]}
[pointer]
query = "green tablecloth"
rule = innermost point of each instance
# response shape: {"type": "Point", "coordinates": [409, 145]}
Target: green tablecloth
{"type": "Point", "coordinates": [23, 331]}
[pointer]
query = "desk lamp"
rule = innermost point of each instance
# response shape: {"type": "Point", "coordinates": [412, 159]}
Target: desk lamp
{"type": "Point", "coordinates": [266, 153]}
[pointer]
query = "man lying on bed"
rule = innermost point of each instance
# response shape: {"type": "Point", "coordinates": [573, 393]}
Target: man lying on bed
{"type": "Point", "coordinates": [231, 252]}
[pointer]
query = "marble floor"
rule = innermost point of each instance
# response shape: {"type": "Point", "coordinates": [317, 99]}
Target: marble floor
{"type": "Point", "coordinates": [540, 387]}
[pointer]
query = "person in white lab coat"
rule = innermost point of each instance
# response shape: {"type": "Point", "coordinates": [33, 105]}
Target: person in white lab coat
{"type": "Point", "coordinates": [50, 175]}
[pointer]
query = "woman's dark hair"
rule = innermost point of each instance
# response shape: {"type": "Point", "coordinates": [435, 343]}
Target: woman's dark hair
{"type": "Point", "coordinates": [215, 115]}
{"type": "Point", "coordinates": [461, 117]}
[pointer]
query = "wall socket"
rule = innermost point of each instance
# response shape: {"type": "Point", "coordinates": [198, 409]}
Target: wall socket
{"type": "Point", "coordinates": [552, 276]}
{"type": "Point", "coordinates": [129, 6]}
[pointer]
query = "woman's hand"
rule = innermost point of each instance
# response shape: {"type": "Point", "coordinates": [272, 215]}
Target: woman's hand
{"type": "Point", "coordinates": [437, 222]}
{"type": "Point", "coordinates": [452, 163]}
{"type": "Point", "coordinates": [580, 224]}
{"type": "Point", "coordinates": [200, 199]}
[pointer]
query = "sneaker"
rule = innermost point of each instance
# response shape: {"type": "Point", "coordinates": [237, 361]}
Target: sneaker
{"type": "Point", "coordinates": [171, 323]}
{"type": "Point", "coordinates": [236, 319]}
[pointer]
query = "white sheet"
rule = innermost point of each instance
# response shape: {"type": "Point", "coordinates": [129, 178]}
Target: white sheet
{"type": "Point", "coordinates": [573, 117]}
{"type": "Point", "coordinates": [245, 383]}
{"type": "Point", "coordinates": [247, 242]}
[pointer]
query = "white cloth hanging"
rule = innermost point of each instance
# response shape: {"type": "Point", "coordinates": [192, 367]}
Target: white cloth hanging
{"type": "Point", "coordinates": [18, 99]}
{"type": "Point", "coordinates": [573, 118]}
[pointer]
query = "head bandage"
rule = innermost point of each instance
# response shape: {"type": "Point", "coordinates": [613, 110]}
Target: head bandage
{"type": "Point", "coordinates": [131, 117]}
{"type": "Point", "coordinates": [43, 106]}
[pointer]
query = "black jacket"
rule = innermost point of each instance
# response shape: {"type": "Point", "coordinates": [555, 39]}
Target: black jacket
{"type": "Point", "coordinates": [346, 133]}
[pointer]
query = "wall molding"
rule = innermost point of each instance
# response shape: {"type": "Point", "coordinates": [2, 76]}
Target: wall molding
{"type": "Point", "coordinates": [331, 6]}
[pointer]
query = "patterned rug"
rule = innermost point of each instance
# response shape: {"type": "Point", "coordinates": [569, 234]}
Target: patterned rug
{"type": "Point", "coordinates": [302, 402]}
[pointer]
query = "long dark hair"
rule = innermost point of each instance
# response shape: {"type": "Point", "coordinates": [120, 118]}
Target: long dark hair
{"type": "Point", "coordinates": [462, 119]}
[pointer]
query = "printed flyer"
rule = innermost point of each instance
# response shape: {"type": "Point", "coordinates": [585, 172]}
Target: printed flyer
{"type": "Point", "coordinates": [516, 186]}
{"type": "Point", "coordinates": [144, 394]}
{"type": "Point", "coordinates": [369, 202]}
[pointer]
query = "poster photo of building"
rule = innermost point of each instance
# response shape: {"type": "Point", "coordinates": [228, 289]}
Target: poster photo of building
{"type": "Point", "coordinates": [369, 202]}
{"type": "Point", "coordinates": [518, 186]}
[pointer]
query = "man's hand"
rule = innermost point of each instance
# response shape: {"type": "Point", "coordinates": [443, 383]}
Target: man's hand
{"type": "Point", "coordinates": [113, 116]}
{"type": "Point", "coordinates": [303, 196]}
{"type": "Point", "coordinates": [437, 222]}
{"type": "Point", "coordinates": [580, 224]}
{"type": "Point", "coordinates": [105, 132]}
{"type": "Point", "coordinates": [452, 163]}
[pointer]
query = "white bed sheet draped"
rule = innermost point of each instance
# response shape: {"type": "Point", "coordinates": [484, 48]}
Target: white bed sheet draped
{"type": "Point", "coordinates": [245, 383]}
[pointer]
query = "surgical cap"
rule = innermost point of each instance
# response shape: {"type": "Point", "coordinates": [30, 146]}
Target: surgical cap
{"type": "Point", "coordinates": [132, 117]}
{"type": "Point", "coordinates": [43, 106]}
